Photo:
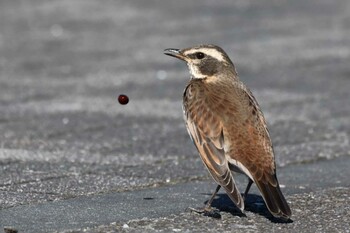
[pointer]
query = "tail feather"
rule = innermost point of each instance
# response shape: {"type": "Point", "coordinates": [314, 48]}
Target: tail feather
{"type": "Point", "coordinates": [274, 200]}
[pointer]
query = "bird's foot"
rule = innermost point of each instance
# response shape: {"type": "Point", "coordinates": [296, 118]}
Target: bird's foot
{"type": "Point", "coordinates": [206, 211]}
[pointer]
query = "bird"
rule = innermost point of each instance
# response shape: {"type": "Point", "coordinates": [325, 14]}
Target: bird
{"type": "Point", "coordinates": [228, 128]}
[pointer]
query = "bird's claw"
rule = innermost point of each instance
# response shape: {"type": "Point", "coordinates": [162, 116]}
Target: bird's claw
{"type": "Point", "coordinates": [206, 211]}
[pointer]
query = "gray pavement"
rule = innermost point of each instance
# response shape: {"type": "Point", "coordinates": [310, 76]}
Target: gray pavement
{"type": "Point", "coordinates": [72, 159]}
{"type": "Point", "coordinates": [151, 205]}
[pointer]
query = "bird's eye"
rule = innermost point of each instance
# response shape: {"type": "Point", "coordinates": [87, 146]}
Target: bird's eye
{"type": "Point", "coordinates": [200, 55]}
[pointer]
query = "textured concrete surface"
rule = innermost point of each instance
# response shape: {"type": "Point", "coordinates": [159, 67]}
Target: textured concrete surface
{"type": "Point", "coordinates": [65, 138]}
{"type": "Point", "coordinates": [149, 206]}
{"type": "Point", "coordinates": [311, 206]}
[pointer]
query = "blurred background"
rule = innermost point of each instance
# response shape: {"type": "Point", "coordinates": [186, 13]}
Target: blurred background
{"type": "Point", "coordinates": [64, 63]}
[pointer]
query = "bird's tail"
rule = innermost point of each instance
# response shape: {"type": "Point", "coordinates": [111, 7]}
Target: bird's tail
{"type": "Point", "coordinates": [274, 200]}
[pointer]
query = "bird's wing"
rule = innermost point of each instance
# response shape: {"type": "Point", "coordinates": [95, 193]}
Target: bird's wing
{"type": "Point", "coordinates": [206, 131]}
{"type": "Point", "coordinates": [253, 149]}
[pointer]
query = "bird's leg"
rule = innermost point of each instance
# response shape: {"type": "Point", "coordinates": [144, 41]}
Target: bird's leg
{"type": "Point", "coordinates": [206, 210]}
{"type": "Point", "coordinates": [208, 205]}
{"type": "Point", "coordinates": [250, 182]}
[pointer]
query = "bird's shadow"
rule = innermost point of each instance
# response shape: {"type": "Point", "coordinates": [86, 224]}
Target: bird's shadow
{"type": "Point", "coordinates": [253, 203]}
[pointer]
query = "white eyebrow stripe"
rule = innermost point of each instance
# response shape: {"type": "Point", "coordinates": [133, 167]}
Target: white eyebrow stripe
{"type": "Point", "coordinates": [209, 51]}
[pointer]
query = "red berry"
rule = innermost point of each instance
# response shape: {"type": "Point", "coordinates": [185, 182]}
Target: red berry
{"type": "Point", "coordinates": [123, 99]}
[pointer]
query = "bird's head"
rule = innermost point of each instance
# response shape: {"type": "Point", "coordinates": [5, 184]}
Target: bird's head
{"type": "Point", "coordinates": [204, 60]}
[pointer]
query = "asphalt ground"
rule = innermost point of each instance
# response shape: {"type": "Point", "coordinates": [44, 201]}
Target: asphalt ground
{"type": "Point", "coordinates": [72, 157]}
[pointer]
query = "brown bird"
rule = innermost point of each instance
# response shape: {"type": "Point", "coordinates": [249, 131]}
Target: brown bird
{"type": "Point", "coordinates": [228, 128]}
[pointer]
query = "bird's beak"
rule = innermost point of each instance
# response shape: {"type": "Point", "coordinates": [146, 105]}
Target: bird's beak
{"type": "Point", "coordinates": [175, 53]}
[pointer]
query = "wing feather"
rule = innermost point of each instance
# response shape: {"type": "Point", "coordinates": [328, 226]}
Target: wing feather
{"type": "Point", "coordinates": [206, 131]}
